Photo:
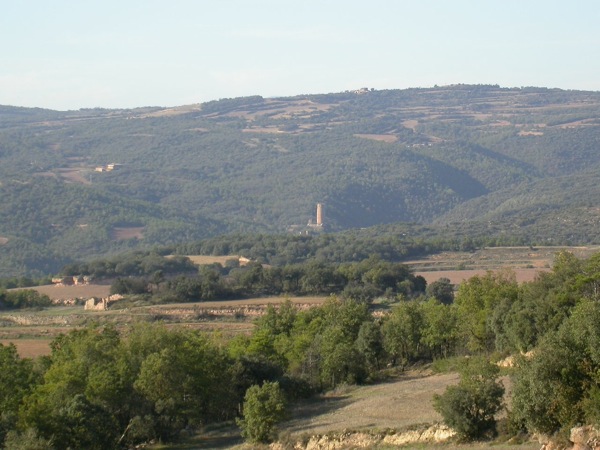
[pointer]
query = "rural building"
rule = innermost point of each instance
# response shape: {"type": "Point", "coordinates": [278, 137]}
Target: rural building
{"type": "Point", "coordinates": [101, 304]}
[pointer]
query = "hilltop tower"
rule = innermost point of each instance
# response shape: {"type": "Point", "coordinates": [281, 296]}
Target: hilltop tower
{"type": "Point", "coordinates": [319, 214]}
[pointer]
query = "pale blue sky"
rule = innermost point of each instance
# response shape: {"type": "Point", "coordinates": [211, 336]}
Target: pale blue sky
{"type": "Point", "coordinates": [74, 54]}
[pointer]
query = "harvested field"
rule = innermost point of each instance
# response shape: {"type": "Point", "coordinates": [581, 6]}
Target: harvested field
{"type": "Point", "coordinates": [494, 258]}
{"type": "Point", "coordinates": [80, 291]}
{"type": "Point", "coordinates": [389, 138]}
{"type": "Point", "coordinates": [32, 331]}
{"type": "Point", "coordinates": [124, 233]}
{"type": "Point", "coordinates": [525, 262]}
{"type": "Point", "coordinates": [209, 259]}
{"type": "Point", "coordinates": [271, 130]}
{"type": "Point", "coordinates": [30, 348]}
{"type": "Point", "coordinates": [458, 276]}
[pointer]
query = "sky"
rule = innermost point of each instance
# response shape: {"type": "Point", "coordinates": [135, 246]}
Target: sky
{"type": "Point", "coordinates": [71, 54]}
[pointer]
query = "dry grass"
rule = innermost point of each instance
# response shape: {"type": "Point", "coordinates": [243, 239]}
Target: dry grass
{"type": "Point", "coordinates": [209, 259]}
{"type": "Point", "coordinates": [400, 403]}
{"type": "Point", "coordinates": [71, 175]}
{"type": "Point", "coordinates": [256, 301]}
{"type": "Point", "coordinates": [30, 348]}
{"type": "Point", "coordinates": [68, 292]}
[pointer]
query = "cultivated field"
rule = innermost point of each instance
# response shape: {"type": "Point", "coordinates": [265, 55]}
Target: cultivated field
{"type": "Point", "coordinates": [56, 292]}
{"type": "Point", "coordinates": [525, 262]}
{"type": "Point", "coordinates": [32, 331]}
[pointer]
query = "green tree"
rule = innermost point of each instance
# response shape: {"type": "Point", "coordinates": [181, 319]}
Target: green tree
{"type": "Point", "coordinates": [27, 440]}
{"type": "Point", "coordinates": [187, 383]}
{"type": "Point", "coordinates": [470, 407]}
{"type": "Point", "coordinates": [75, 404]}
{"type": "Point", "coordinates": [442, 290]}
{"type": "Point", "coordinates": [17, 378]}
{"type": "Point", "coordinates": [402, 332]}
{"type": "Point", "coordinates": [264, 408]}
{"type": "Point", "coordinates": [369, 344]}
{"type": "Point", "coordinates": [440, 328]}
{"type": "Point", "coordinates": [557, 387]}
{"type": "Point", "coordinates": [476, 300]}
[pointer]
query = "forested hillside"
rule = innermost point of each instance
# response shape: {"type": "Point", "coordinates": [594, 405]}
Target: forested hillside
{"type": "Point", "coordinates": [469, 161]}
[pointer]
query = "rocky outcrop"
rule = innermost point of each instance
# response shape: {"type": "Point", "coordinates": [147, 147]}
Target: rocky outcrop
{"type": "Point", "coordinates": [582, 438]}
{"type": "Point", "coordinates": [356, 439]}
{"type": "Point", "coordinates": [102, 304]}
{"type": "Point", "coordinates": [585, 438]}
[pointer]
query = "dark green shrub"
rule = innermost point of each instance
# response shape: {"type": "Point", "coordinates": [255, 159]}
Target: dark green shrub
{"type": "Point", "coordinates": [264, 407]}
{"type": "Point", "coordinates": [469, 407]}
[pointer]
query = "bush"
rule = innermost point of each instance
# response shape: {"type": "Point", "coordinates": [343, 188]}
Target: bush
{"type": "Point", "coordinates": [264, 407]}
{"type": "Point", "coordinates": [470, 406]}
{"type": "Point", "coordinates": [28, 440]}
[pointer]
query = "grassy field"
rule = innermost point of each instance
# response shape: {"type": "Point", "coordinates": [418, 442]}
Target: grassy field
{"type": "Point", "coordinates": [402, 403]}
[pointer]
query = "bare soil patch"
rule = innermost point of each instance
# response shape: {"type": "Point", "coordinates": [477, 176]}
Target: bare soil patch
{"type": "Point", "coordinates": [124, 233]}
{"type": "Point", "coordinates": [388, 138]}
{"type": "Point", "coordinates": [3, 240]}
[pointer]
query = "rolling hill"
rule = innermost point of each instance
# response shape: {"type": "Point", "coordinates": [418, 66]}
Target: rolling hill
{"type": "Point", "coordinates": [466, 160]}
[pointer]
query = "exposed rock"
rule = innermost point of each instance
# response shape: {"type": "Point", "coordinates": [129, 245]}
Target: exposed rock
{"type": "Point", "coordinates": [585, 438]}
{"type": "Point", "coordinates": [582, 438]}
{"type": "Point", "coordinates": [347, 439]}
{"type": "Point", "coordinates": [435, 433]}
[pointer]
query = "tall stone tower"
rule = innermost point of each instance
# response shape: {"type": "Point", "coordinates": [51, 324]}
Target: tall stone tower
{"type": "Point", "coordinates": [319, 214]}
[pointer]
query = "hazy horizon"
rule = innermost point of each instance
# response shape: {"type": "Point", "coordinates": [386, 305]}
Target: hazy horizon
{"type": "Point", "coordinates": [63, 55]}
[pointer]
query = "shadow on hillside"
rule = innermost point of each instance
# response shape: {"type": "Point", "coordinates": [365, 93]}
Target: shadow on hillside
{"type": "Point", "coordinates": [218, 436]}
{"type": "Point", "coordinates": [311, 408]}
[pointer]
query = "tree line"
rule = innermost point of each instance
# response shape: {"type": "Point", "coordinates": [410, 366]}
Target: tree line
{"type": "Point", "coordinates": [106, 388]}
{"type": "Point", "coordinates": [362, 281]}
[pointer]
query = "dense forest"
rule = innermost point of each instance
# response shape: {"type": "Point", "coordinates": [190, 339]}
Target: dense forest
{"type": "Point", "coordinates": [470, 161]}
{"type": "Point", "coordinates": [103, 388]}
